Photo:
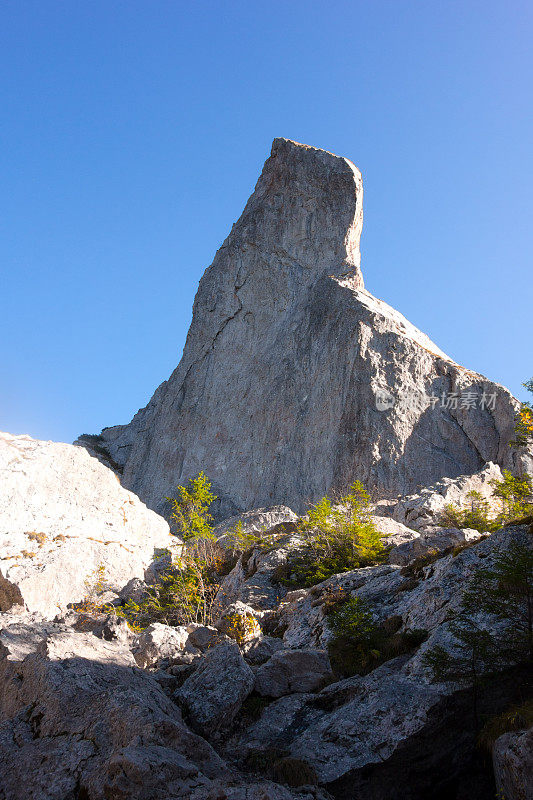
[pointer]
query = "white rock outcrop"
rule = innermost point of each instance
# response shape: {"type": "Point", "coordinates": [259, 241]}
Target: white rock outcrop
{"type": "Point", "coordinates": [425, 508]}
{"type": "Point", "coordinates": [294, 379]}
{"type": "Point", "coordinates": [68, 530]}
{"type": "Point", "coordinates": [158, 642]}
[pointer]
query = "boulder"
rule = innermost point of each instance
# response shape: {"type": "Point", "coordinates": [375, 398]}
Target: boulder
{"type": "Point", "coordinates": [21, 633]}
{"type": "Point", "coordinates": [424, 509]}
{"type": "Point", "coordinates": [261, 649]}
{"type": "Point", "coordinates": [512, 758]}
{"type": "Point", "coordinates": [77, 719]}
{"type": "Point", "coordinates": [290, 671]}
{"type": "Point", "coordinates": [214, 693]}
{"type": "Point", "coordinates": [294, 379]}
{"type": "Point", "coordinates": [425, 544]}
{"type": "Point", "coordinates": [238, 622]}
{"type": "Point", "coordinates": [106, 626]}
{"type": "Point", "coordinates": [158, 643]}
{"type": "Point", "coordinates": [68, 531]}
{"type": "Point", "coordinates": [204, 637]}
{"type": "Point", "coordinates": [394, 532]}
{"type": "Point", "coordinates": [257, 520]}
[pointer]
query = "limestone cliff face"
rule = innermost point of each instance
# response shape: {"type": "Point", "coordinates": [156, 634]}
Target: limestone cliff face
{"type": "Point", "coordinates": [294, 379]}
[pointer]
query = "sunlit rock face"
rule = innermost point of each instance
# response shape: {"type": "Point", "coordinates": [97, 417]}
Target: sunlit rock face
{"type": "Point", "coordinates": [294, 379]}
{"type": "Point", "coordinates": [68, 530]}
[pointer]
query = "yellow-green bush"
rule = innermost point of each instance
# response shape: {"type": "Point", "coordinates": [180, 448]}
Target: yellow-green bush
{"type": "Point", "coordinates": [337, 538]}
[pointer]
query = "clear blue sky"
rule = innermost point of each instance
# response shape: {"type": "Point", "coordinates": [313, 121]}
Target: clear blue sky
{"type": "Point", "coordinates": [132, 134]}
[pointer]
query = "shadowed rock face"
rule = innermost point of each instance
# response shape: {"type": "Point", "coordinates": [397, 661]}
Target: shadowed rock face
{"type": "Point", "coordinates": [277, 394]}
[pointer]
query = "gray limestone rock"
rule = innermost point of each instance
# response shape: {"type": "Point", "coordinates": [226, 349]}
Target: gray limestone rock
{"type": "Point", "coordinates": [294, 379]}
{"type": "Point", "coordinates": [261, 649]}
{"type": "Point", "coordinates": [424, 509]}
{"type": "Point", "coordinates": [238, 621]}
{"type": "Point", "coordinates": [159, 642]}
{"type": "Point", "coordinates": [77, 719]}
{"type": "Point", "coordinates": [214, 693]}
{"type": "Point", "coordinates": [512, 757]}
{"type": "Point", "coordinates": [293, 671]}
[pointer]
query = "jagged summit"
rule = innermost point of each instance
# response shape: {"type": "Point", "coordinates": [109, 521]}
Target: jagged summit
{"type": "Point", "coordinates": [294, 379]}
{"type": "Point", "coordinates": [308, 207]}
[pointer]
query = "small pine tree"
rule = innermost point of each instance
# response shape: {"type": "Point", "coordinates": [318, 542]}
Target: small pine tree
{"type": "Point", "coordinates": [190, 509]}
{"type": "Point", "coordinates": [474, 657]}
{"type": "Point", "coordinates": [476, 516]}
{"type": "Point", "coordinates": [514, 494]}
{"type": "Point", "coordinates": [505, 590]}
{"type": "Point", "coordinates": [337, 538]}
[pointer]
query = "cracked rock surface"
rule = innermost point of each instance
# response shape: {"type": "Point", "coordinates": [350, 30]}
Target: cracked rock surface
{"type": "Point", "coordinates": [277, 395]}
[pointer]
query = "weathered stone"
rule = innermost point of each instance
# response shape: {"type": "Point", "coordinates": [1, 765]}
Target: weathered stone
{"type": "Point", "coordinates": [68, 531]}
{"type": "Point", "coordinates": [512, 757]}
{"type": "Point", "coordinates": [393, 532]}
{"type": "Point", "coordinates": [261, 649]}
{"type": "Point", "coordinates": [77, 719]}
{"type": "Point", "coordinates": [423, 602]}
{"type": "Point", "coordinates": [258, 520]}
{"type": "Point", "coordinates": [290, 671]}
{"type": "Point", "coordinates": [214, 693]}
{"type": "Point", "coordinates": [433, 543]}
{"type": "Point", "coordinates": [136, 589]}
{"type": "Point", "coordinates": [294, 379]}
{"type": "Point", "coordinates": [204, 637]}
{"type": "Point", "coordinates": [22, 633]}
{"type": "Point", "coordinates": [251, 580]}
{"type": "Point", "coordinates": [105, 626]}
{"type": "Point", "coordinates": [158, 643]}
{"type": "Point", "coordinates": [425, 508]}
{"type": "Point", "coordinates": [238, 621]}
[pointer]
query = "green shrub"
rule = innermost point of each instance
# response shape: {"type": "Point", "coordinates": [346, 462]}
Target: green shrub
{"type": "Point", "coordinates": [244, 542]}
{"type": "Point", "coordinates": [360, 644]}
{"type": "Point", "coordinates": [190, 509]}
{"type": "Point", "coordinates": [186, 590]}
{"type": "Point", "coordinates": [336, 539]}
{"type": "Point", "coordinates": [476, 516]}
{"type": "Point", "coordinates": [514, 495]}
{"type": "Point", "coordinates": [517, 718]}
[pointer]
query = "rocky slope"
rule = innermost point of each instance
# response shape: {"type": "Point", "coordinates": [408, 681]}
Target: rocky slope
{"type": "Point", "coordinates": [93, 710]}
{"type": "Point", "coordinates": [294, 379]}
